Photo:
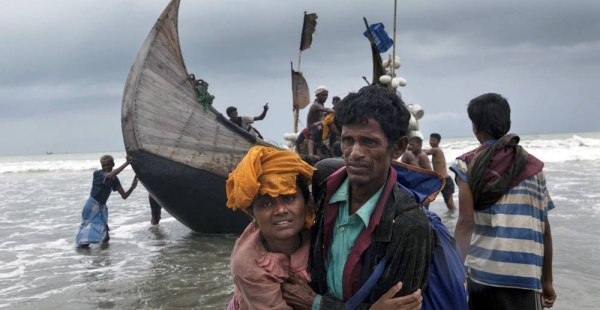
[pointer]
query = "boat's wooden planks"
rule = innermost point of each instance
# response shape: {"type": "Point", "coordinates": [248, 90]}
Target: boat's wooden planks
{"type": "Point", "coordinates": [152, 135]}
{"type": "Point", "coordinates": [183, 152]}
{"type": "Point", "coordinates": [216, 162]}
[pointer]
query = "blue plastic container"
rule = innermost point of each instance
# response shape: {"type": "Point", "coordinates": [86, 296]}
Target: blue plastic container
{"type": "Point", "coordinates": [382, 39]}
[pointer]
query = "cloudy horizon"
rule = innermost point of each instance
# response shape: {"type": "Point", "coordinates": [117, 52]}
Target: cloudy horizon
{"type": "Point", "coordinates": [64, 63]}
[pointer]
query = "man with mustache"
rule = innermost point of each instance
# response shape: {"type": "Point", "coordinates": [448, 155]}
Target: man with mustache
{"type": "Point", "coordinates": [368, 229]}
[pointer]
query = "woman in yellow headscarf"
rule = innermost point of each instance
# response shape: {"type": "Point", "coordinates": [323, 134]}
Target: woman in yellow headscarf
{"type": "Point", "coordinates": [272, 187]}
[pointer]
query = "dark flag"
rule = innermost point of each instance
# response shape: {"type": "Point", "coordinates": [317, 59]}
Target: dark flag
{"type": "Point", "coordinates": [300, 92]}
{"type": "Point", "coordinates": [308, 28]}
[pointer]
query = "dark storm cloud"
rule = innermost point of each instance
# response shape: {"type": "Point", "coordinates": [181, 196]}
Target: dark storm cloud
{"type": "Point", "coordinates": [59, 59]}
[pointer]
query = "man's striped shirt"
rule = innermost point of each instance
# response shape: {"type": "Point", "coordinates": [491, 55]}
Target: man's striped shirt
{"type": "Point", "coordinates": [507, 246]}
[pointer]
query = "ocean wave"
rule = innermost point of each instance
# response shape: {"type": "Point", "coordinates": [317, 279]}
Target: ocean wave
{"type": "Point", "coordinates": [575, 148]}
{"type": "Point", "coordinates": [548, 148]}
{"type": "Point", "coordinates": [49, 166]}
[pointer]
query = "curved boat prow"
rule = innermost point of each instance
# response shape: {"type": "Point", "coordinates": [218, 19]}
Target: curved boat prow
{"type": "Point", "coordinates": [183, 151]}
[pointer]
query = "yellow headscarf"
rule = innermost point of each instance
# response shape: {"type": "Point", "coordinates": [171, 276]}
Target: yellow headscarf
{"type": "Point", "coordinates": [265, 170]}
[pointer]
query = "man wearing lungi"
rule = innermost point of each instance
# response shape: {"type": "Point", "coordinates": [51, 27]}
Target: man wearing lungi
{"type": "Point", "coordinates": [94, 217]}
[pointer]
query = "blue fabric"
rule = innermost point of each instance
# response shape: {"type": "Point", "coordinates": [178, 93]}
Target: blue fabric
{"type": "Point", "coordinates": [420, 185]}
{"type": "Point", "coordinates": [447, 284]}
{"type": "Point", "coordinates": [446, 287]}
{"type": "Point", "coordinates": [100, 189]}
{"type": "Point", "coordinates": [365, 290]}
{"type": "Point", "coordinates": [94, 223]}
{"type": "Point", "coordinates": [459, 173]}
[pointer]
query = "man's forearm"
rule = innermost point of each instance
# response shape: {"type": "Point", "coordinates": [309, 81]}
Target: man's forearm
{"type": "Point", "coordinates": [466, 218]}
{"type": "Point", "coordinates": [261, 116]}
{"type": "Point", "coordinates": [128, 192]}
{"type": "Point", "coordinates": [113, 173]}
{"type": "Point", "coordinates": [547, 263]}
{"type": "Point", "coordinates": [462, 234]}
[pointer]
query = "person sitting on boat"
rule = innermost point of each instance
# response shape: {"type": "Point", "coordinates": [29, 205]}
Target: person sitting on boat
{"type": "Point", "coordinates": [317, 109]}
{"type": "Point", "coordinates": [330, 131]}
{"type": "Point", "coordinates": [246, 122]}
{"type": "Point", "coordinates": [272, 187]}
{"type": "Point", "coordinates": [310, 143]}
{"type": "Point", "coordinates": [94, 217]}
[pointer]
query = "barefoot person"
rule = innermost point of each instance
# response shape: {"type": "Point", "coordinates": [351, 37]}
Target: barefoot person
{"type": "Point", "coordinates": [439, 165]}
{"type": "Point", "coordinates": [94, 217]}
{"type": "Point", "coordinates": [155, 210]}
{"type": "Point", "coordinates": [272, 187]}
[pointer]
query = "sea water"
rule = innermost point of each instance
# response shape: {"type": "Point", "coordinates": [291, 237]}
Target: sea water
{"type": "Point", "coordinates": [169, 267]}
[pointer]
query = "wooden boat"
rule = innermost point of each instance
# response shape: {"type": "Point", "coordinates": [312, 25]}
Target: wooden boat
{"type": "Point", "coordinates": [182, 151]}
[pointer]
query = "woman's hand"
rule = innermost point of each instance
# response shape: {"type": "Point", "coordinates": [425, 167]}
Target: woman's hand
{"type": "Point", "coordinates": [135, 182]}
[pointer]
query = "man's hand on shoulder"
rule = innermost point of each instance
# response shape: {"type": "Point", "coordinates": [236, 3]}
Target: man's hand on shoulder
{"type": "Point", "coordinates": [297, 293]}
{"type": "Point", "coordinates": [388, 301]}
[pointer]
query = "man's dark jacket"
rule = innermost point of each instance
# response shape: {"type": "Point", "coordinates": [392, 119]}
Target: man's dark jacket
{"type": "Point", "coordinates": [398, 230]}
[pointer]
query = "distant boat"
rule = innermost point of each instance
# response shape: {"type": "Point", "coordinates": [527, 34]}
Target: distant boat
{"type": "Point", "coordinates": [182, 151]}
{"type": "Point", "coordinates": [49, 153]}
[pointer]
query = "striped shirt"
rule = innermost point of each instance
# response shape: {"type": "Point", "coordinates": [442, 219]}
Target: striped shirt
{"type": "Point", "coordinates": [507, 246]}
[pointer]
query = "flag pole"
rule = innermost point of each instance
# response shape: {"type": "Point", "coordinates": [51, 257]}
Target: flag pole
{"type": "Point", "coordinates": [296, 110]}
{"type": "Point", "coordinates": [393, 73]}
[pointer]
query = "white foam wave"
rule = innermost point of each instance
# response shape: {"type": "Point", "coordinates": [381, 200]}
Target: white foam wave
{"type": "Point", "coordinates": [50, 166]}
{"type": "Point", "coordinates": [549, 148]}
{"type": "Point", "coordinates": [18, 271]}
{"type": "Point", "coordinates": [558, 150]}
{"type": "Point", "coordinates": [47, 166]}
{"type": "Point", "coordinates": [55, 162]}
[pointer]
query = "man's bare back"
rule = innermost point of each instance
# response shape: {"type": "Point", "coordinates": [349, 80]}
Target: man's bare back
{"type": "Point", "coordinates": [439, 165]}
{"type": "Point", "coordinates": [438, 160]}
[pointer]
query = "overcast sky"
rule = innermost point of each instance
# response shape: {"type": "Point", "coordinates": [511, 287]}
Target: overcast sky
{"type": "Point", "coordinates": [63, 64]}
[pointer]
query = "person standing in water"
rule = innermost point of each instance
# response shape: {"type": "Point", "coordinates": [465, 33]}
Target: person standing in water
{"type": "Point", "coordinates": [94, 217]}
{"type": "Point", "coordinates": [503, 230]}
{"type": "Point", "coordinates": [155, 209]}
{"type": "Point", "coordinates": [439, 165]}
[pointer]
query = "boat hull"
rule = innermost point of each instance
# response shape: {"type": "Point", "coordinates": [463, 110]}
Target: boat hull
{"type": "Point", "coordinates": [195, 197]}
